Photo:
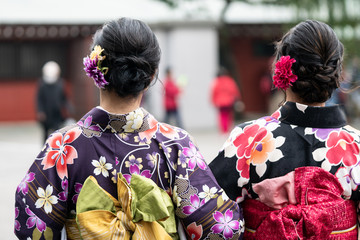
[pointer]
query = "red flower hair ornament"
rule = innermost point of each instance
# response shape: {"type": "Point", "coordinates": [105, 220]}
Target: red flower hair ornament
{"type": "Point", "coordinates": [284, 77]}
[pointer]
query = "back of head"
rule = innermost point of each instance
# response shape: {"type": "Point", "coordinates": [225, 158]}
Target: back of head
{"type": "Point", "coordinates": [132, 55]}
{"type": "Point", "coordinates": [319, 56]}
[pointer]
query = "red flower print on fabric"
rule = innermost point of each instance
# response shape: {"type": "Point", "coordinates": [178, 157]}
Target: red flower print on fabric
{"type": "Point", "coordinates": [60, 152]}
{"type": "Point", "coordinates": [276, 115]}
{"type": "Point", "coordinates": [284, 77]}
{"type": "Point", "coordinates": [342, 148]}
{"type": "Point", "coordinates": [195, 231]}
{"type": "Point", "coordinates": [254, 142]}
{"type": "Point", "coordinates": [168, 131]}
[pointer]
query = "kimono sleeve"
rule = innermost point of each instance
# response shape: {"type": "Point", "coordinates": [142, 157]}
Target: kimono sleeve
{"type": "Point", "coordinates": [202, 205]}
{"type": "Point", "coordinates": [224, 170]}
{"type": "Point", "coordinates": [40, 199]}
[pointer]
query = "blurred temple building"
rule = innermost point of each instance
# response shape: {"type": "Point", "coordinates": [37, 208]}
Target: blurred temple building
{"type": "Point", "coordinates": [34, 32]}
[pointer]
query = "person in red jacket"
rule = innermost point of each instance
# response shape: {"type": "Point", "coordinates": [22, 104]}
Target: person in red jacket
{"type": "Point", "coordinates": [224, 94]}
{"type": "Point", "coordinates": [172, 92]}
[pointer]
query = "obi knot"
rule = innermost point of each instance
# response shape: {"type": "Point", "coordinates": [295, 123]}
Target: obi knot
{"type": "Point", "coordinates": [320, 210]}
{"type": "Point", "coordinates": [142, 211]}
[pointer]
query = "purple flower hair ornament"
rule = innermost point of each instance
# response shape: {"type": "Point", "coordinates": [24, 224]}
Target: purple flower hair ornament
{"type": "Point", "coordinates": [93, 67]}
{"type": "Point", "coordinates": [284, 76]}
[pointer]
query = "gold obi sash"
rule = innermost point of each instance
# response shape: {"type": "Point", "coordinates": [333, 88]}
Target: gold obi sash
{"type": "Point", "coordinates": [142, 211]}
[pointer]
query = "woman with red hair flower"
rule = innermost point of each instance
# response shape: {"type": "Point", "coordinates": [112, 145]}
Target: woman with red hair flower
{"type": "Point", "coordinates": [296, 173]}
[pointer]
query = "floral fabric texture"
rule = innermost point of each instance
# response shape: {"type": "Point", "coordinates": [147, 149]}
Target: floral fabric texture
{"type": "Point", "coordinates": [295, 136]}
{"type": "Point", "coordinates": [102, 145]}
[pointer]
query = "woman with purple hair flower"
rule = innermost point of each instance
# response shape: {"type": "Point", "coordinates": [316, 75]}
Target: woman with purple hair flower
{"type": "Point", "coordinates": [119, 173]}
{"type": "Point", "coordinates": [296, 173]}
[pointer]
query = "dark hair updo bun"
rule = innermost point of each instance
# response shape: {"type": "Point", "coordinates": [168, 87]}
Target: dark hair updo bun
{"type": "Point", "coordinates": [319, 56]}
{"type": "Point", "coordinates": [132, 55]}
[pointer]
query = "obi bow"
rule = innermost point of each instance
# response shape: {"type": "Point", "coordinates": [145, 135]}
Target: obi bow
{"type": "Point", "coordinates": [142, 211]}
{"type": "Point", "coordinates": [319, 211]}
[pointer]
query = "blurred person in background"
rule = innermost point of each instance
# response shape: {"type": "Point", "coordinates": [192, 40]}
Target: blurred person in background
{"type": "Point", "coordinates": [51, 101]}
{"type": "Point", "coordinates": [224, 95]}
{"type": "Point", "coordinates": [296, 173]}
{"type": "Point", "coordinates": [172, 93]}
{"type": "Point", "coordinates": [118, 165]}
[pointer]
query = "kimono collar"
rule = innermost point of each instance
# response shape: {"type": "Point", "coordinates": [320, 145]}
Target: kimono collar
{"type": "Point", "coordinates": [308, 116]}
{"type": "Point", "coordinates": [100, 119]}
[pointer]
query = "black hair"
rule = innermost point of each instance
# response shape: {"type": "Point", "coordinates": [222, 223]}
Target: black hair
{"type": "Point", "coordinates": [319, 56]}
{"type": "Point", "coordinates": [132, 55]}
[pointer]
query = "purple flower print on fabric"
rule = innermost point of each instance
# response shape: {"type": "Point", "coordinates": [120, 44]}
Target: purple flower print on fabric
{"type": "Point", "coordinates": [34, 220]}
{"type": "Point", "coordinates": [195, 157]}
{"type": "Point", "coordinates": [23, 186]}
{"type": "Point", "coordinates": [225, 224]}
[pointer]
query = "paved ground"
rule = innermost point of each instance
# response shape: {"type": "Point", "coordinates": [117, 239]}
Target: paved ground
{"type": "Point", "coordinates": [19, 145]}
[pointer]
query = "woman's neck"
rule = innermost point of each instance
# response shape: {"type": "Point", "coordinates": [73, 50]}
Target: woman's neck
{"type": "Point", "coordinates": [112, 103]}
{"type": "Point", "coordinates": [292, 97]}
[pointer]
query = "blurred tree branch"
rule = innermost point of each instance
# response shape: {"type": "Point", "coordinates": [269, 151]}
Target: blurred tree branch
{"type": "Point", "coordinates": [342, 15]}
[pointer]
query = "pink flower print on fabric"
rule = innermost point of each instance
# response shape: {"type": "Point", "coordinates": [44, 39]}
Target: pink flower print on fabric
{"type": "Point", "coordinates": [62, 196]}
{"type": "Point", "coordinates": [23, 186]}
{"type": "Point", "coordinates": [77, 187]}
{"type": "Point", "coordinates": [284, 76]}
{"type": "Point", "coordinates": [225, 224]}
{"type": "Point", "coordinates": [17, 223]}
{"type": "Point", "coordinates": [342, 148]}
{"type": "Point", "coordinates": [195, 204]}
{"type": "Point", "coordinates": [134, 169]}
{"type": "Point", "coordinates": [194, 156]}
{"type": "Point", "coordinates": [87, 124]}
{"type": "Point", "coordinates": [34, 220]}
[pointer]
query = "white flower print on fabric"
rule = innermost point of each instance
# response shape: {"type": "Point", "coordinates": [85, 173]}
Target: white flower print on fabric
{"type": "Point", "coordinates": [228, 147]}
{"type": "Point", "coordinates": [134, 161]}
{"type": "Point", "coordinates": [224, 196]}
{"type": "Point", "coordinates": [344, 178]}
{"type": "Point", "coordinates": [101, 166]}
{"type": "Point", "coordinates": [301, 107]}
{"type": "Point", "coordinates": [276, 154]}
{"type": "Point", "coordinates": [114, 178]}
{"type": "Point", "coordinates": [355, 176]}
{"type": "Point", "coordinates": [244, 194]}
{"type": "Point", "coordinates": [46, 199]}
{"type": "Point", "coordinates": [134, 121]}
{"type": "Point", "coordinates": [319, 155]}
{"type": "Point", "coordinates": [175, 196]}
{"type": "Point", "coordinates": [208, 193]}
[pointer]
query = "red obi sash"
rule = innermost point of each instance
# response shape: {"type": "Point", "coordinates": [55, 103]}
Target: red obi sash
{"type": "Point", "coordinates": [321, 212]}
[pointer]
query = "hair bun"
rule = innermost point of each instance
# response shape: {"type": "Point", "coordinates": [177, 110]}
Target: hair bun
{"type": "Point", "coordinates": [132, 55]}
{"type": "Point", "coordinates": [129, 75]}
{"type": "Point", "coordinates": [133, 62]}
{"type": "Point", "coordinates": [319, 54]}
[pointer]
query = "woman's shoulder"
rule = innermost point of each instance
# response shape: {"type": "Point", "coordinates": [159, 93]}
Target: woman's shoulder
{"type": "Point", "coordinates": [270, 122]}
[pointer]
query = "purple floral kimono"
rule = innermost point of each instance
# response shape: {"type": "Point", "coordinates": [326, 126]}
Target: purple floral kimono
{"type": "Point", "coordinates": [102, 144]}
